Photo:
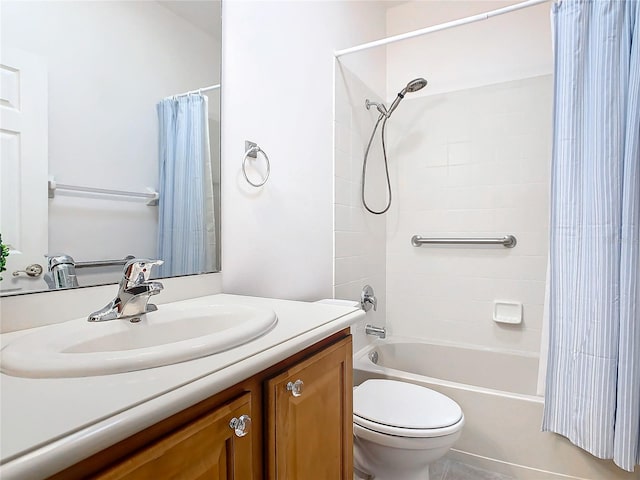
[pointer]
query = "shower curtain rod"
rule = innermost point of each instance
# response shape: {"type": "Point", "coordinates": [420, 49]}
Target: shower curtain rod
{"type": "Point", "coordinates": [199, 90]}
{"type": "Point", "coordinates": [439, 27]}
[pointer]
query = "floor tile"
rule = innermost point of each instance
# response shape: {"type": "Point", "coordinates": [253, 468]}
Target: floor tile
{"type": "Point", "coordinates": [438, 469]}
{"type": "Point", "coordinates": [445, 469]}
{"type": "Point", "coordinates": [462, 471]}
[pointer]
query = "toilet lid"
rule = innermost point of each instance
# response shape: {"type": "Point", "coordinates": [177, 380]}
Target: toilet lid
{"type": "Point", "coordinates": [404, 405]}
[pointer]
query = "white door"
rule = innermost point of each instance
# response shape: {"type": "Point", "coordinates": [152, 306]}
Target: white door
{"type": "Point", "coordinates": [24, 166]}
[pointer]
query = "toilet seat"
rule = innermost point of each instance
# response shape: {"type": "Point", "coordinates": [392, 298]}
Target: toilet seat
{"type": "Point", "coordinates": [404, 409]}
{"type": "Point", "coordinates": [407, 432]}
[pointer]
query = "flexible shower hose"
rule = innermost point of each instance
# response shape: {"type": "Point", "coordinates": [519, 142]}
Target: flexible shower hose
{"type": "Point", "coordinates": [386, 165]}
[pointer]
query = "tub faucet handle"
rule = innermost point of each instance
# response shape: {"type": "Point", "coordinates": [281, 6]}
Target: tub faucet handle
{"type": "Point", "coordinates": [368, 299]}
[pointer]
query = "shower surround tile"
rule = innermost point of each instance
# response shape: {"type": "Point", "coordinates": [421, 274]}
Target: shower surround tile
{"type": "Point", "coordinates": [470, 163]}
{"type": "Point", "coordinates": [360, 238]}
{"type": "Point", "coordinates": [466, 163]}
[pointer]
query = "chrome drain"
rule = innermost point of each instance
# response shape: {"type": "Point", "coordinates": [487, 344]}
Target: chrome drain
{"type": "Point", "coordinates": [373, 356]}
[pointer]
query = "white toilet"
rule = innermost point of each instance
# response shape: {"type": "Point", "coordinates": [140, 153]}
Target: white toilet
{"type": "Point", "coordinates": [400, 428]}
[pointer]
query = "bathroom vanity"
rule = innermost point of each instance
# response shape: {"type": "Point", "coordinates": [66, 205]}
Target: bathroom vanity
{"type": "Point", "coordinates": [279, 406]}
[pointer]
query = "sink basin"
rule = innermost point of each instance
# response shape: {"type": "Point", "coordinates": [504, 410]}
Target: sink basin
{"type": "Point", "coordinates": [175, 333]}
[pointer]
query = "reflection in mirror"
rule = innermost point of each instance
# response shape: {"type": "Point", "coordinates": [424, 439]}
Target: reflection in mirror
{"type": "Point", "coordinates": [110, 138]}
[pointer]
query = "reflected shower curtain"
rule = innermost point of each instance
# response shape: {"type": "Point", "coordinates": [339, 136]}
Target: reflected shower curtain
{"type": "Point", "coordinates": [593, 376]}
{"type": "Point", "coordinates": [186, 234]}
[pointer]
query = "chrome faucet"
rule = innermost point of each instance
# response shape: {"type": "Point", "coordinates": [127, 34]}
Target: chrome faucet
{"type": "Point", "coordinates": [134, 292]}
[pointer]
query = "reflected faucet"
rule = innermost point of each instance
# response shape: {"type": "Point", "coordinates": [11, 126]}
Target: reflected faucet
{"type": "Point", "coordinates": [61, 272]}
{"type": "Point", "coordinates": [134, 293]}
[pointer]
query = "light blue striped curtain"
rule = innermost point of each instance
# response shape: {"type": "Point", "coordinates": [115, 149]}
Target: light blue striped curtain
{"type": "Point", "coordinates": [184, 156]}
{"type": "Point", "coordinates": [593, 377]}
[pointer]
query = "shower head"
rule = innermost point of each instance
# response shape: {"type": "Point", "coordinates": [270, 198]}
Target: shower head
{"type": "Point", "coordinates": [413, 86]}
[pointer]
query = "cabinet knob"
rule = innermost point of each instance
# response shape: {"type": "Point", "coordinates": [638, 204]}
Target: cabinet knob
{"type": "Point", "coordinates": [240, 426]}
{"type": "Point", "coordinates": [295, 387]}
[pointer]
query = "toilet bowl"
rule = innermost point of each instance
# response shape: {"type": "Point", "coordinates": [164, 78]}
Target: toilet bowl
{"type": "Point", "coordinates": [400, 428]}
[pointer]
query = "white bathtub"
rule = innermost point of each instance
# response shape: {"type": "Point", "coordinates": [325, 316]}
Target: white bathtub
{"type": "Point", "coordinates": [496, 391]}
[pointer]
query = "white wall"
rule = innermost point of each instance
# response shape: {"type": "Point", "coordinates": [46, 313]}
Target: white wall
{"type": "Point", "coordinates": [471, 154]}
{"type": "Point", "coordinates": [109, 63]}
{"type": "Point", "coordinates": [278, 91]}
{"type": "Point", "coordinates": [506, 47]}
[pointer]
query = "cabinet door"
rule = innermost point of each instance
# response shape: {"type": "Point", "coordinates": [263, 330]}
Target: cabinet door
{"type": "Point", "coordinates": [310, 418]}
{"type": "Point", "coordinates": [206, 448]}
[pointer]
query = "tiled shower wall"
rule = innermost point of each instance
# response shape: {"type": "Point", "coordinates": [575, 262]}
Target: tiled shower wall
{"type": "Point", "coordinates": [359, 236]}
{"type": "Point", "coordinates": [473, 162]}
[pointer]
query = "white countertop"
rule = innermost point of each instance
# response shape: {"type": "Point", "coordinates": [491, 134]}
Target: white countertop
{"type": "Point", "coordinates": [50, 424]}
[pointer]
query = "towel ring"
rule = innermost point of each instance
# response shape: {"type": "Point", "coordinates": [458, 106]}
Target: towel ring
{"type": "Point", "coordinates": [252, 151]}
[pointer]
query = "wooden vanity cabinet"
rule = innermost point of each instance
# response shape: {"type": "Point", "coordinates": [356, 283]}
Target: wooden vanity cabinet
{"type": "Point", "coordinates": [309, 418]}
{"type": "Point", "coordinates": [302, 432]}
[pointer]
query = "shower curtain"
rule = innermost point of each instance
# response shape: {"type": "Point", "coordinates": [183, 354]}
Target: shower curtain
{"type": "Point", "coordinates": [593, 377]}
{"type": "Point", "coordinates": [186, 229]}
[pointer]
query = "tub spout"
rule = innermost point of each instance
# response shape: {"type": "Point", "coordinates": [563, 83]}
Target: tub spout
{"type": "Point", "coordinates": [380, 332]}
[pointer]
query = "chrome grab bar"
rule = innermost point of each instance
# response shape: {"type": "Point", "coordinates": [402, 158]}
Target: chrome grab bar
{"type": "Point", "coordinates": [508, 241]}
{"type": "Point", "coordinates": [151, 196]}
{"type": "Point", "coordinates": [104, 263]}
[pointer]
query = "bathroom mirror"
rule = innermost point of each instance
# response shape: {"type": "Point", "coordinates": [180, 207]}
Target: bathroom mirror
{"type": "Point", "coordinates": [110, 137]}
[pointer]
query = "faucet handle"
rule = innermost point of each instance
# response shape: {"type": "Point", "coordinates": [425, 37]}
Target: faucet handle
{"type": "Point", "coordinates": [368, 299]}
{"type": "Point", "coordinates": [138, 270]}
